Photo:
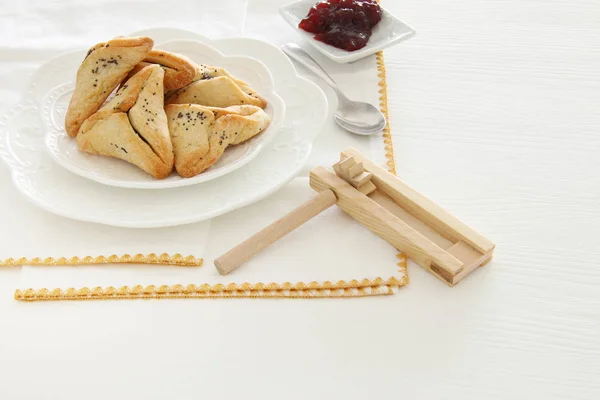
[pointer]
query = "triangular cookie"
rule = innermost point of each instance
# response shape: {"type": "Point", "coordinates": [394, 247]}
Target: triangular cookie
{"type": "Point", "coordinates": [133, 125]}
{"type": "Point", "coordinates": [104, 67]}
{"type": "Point", "coordinates": [215, 87]}
{"type": "Point", "coordinates": [179, 70]}
{"type": "Point", "coordinates": [201, 134]}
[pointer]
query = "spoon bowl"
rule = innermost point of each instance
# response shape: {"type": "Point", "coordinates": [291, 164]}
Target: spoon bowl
{"type": "Point", "coordinates": [354, 116]}
{"type": "Point", "coordinates": [360, 118]}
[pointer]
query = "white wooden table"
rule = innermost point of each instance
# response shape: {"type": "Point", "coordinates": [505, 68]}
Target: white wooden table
{"type": "Point", "coordinates": [495, 109]}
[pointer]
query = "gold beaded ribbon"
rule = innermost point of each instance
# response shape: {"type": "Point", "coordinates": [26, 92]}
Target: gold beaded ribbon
{"type": "Point", "coordinates": [163, 259]}
{"type": "Point", "coordinates": [383, 106]}
{"type": "Point", "coordinates": [352, 288]}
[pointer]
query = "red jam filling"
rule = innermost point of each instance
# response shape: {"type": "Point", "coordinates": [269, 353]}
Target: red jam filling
{"type": "Point", "coordinates": [345, 24]}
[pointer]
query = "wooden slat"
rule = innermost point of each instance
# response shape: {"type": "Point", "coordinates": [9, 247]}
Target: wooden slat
{"type": "Point", "coordinates": [470, 257]}
{"type": "Point", "coordinates": [420, 206]}
{"type": "Point", "coordinates": [384, 223]}
{"type": "Point", "coordinates": [389, 204]}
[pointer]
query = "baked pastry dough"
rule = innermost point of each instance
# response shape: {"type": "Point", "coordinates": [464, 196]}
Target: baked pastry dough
{"type": "Point", "coordinates": [133, 125]}
{"type": "Point", "coordinates": [179, 70]}
{"type": "Point", "coordinates": [104, 67]}
{"type": "Point", "coordinates": [215, 87]}
{"type": "Point", "coordinates": [201, 134]}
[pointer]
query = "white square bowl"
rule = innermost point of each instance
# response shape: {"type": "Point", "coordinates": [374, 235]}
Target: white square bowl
{"type": "Point", "coordinates": [388, 32]}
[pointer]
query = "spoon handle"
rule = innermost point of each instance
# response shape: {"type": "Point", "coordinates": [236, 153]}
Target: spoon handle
{"type": "Point", "coordinates": [296, 52]}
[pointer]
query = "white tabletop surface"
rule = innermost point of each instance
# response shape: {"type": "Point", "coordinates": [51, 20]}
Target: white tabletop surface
{"type": "Point", "coordinates": [495, 110]}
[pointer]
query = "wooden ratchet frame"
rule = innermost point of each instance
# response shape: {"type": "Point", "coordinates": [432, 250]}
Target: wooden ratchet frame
{"type": "Point", "coordinates": [409, 221]}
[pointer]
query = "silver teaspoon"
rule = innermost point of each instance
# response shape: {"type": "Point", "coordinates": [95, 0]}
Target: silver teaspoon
{"type": "Point", "coordinates": [357, 117]}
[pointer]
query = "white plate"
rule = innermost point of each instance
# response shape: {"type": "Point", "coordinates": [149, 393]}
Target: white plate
{"type": "Point", "coordinates": [115, 172]}
{"type": "Point", "coordinates": [388, 32]}
{"type": "Point", "coordinates": [53, 188]}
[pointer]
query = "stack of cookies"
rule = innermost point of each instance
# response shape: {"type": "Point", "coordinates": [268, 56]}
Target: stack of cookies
{"type": "Point", "coordinates": [167, 112]}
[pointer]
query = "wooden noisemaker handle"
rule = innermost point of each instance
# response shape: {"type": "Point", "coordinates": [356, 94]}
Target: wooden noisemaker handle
{"type": "Point", "coordinates": [278, 229]}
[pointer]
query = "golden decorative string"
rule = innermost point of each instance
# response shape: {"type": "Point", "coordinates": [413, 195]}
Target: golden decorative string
{"type": "Point", "coordinates": [387, 139]}
{"type": "Point", "coordinates": [383, 106]}
{"type": "Point", "coordinates": [353, 288]}
{"type": "Point", "coordinates": [163, 259]}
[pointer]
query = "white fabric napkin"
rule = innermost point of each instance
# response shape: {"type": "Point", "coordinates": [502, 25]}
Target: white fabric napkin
{"type": "Point", "coordinates": [330, 247]}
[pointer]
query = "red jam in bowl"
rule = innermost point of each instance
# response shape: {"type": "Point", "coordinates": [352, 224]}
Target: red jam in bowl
{"type": "Point", "coordinates": [345, 24]}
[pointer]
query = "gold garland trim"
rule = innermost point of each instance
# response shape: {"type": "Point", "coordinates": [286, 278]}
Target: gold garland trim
{"type": "Point", "coordinates": [163, 259]}
{"type": "Point", "coordinates": [387, 137]}
{"type": "Point", "coordinates": [353, 288]}
{"type": "Point", "coordinates": [383, 106]}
